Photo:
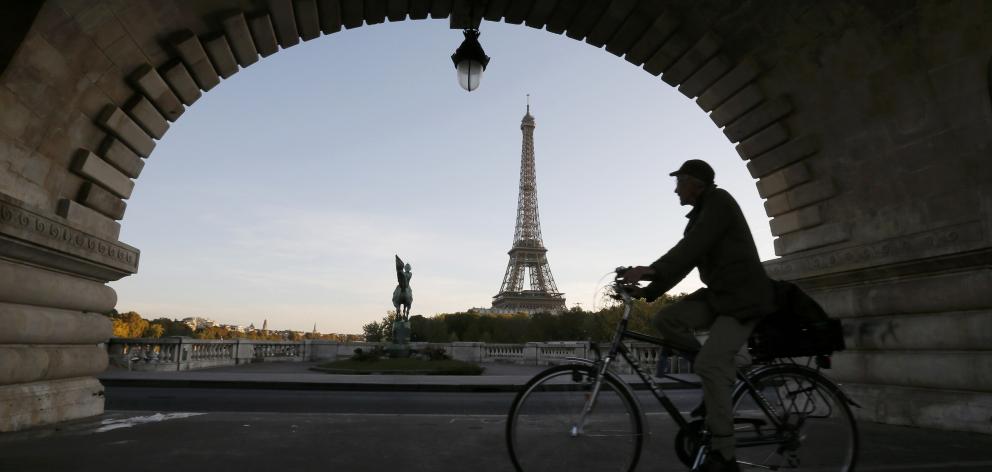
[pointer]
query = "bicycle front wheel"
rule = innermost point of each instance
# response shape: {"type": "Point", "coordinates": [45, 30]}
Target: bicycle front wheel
{"type": "Point", "coordinates": [816, 429]}
{"type": "Point", "coordinates": [546, 429]}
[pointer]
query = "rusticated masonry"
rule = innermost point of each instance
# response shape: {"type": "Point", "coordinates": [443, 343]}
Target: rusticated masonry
{"type": "Point", "coordinates": [645, 35]}
{"type": "Point", "coordinates": [865, 124]}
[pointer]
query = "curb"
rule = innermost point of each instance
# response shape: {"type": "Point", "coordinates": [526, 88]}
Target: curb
{"type": "Point", "coordinates": [331, 386]}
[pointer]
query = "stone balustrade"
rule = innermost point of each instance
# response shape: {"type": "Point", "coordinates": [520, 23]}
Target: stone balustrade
{"type": "Point", "coordinates": [178, 353]}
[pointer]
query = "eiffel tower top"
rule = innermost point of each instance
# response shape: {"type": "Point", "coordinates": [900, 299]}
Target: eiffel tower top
{"type": "Point", "coordinates": [528, 254]}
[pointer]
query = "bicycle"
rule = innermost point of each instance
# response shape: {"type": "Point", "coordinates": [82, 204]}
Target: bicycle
{"type": "Point", "coordinates": [787, 415]}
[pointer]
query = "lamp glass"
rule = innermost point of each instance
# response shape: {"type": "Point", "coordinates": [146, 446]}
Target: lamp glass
{"type": "Point", "coordinates": [469, 74]}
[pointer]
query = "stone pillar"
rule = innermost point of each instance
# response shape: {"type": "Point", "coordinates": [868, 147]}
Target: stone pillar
{"type": "Point", "coordinates": [466, 351]}
{"type": "Point", "coordinates": [531, 352]}
{"type": "Point", "coordinates": [53, 328]}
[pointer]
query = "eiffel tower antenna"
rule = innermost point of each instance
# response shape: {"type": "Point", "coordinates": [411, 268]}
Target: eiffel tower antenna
{"type": "Point", "coordinates": [528, 256]}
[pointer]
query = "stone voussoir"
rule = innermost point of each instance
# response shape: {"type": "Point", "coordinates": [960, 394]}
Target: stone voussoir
{"type": "Point", "coordinates": [95, 197]}
{"type": "Point", "coordinates": [653, 38]}
{"type": "Point", "coordinates": [239, 38]}
{"type": "Point", "coordinates": [765, 140]}
{"type": "Point", "coordinates": [147, 117]}
{"type": "Point", "coordinates": [307, 18]}
{"type": "Point", "coordinates": [284, 22]}
{"type": "Point", "coordinates": [715, 68]}
{"type": "Point", "coordinates": [120, 156]}
{"type": "Point", "coordinates": [263, 34]}
{"type": "Point", "coordinates": [783, 179]}
{"type": "Point", "coordinates": [191, 52]}
{"type": "Point", "coordinates": [92, 167]}
{"type": "Point", "coordinates": [177, 76]}
{"type": "Point", "coordinates": [793, 221]}
{"type": "Point", "coordinates": [124, 128]}
{"type": "Point", "coordinates": [798, 197]}
{"type": "Point", "coordinates": [795, 150]}
{"type": "Point", "coordinates": [610, 22]}
{"type": "Point", "coordinates": [758, 118]}
{"type": "Point", "coordinates": [221, 56]}
{"type": "Point", "coordinates": [744, 73]}
{"type": "Point", "coordinates": [745, 99]}
{"type": "Point", "coordinates": [667, 54]}
{"type": "Point", "coordinates": [812, 238]}
{"type": "Point", "coordinates": [706, 47]}
{"type": "Point", "coordinates": [330, 16]}
{"type": "Point", "coordinates": [151, 84]}
{"type": "Point", "coordinates": [89, 219]}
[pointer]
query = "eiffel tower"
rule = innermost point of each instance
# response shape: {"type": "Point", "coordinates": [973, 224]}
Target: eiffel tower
{"type": "Point", "coordinates": [528, 256]}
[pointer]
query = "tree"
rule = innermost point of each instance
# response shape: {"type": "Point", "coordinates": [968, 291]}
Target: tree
{"type": "Point", "coordinates": [373, 332]}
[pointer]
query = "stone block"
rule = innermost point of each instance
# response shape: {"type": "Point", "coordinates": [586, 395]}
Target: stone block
{"type": "Point", "coordinates": [221, 56]}
{"type": "Point", "coordinates": [757, 119]}
{"type": "Point", "coordinates": [586, 18]}
{"type": "Point", "coordinates": [610, 21]}
{"type": "Point", "coordinates": [560, 18]}
{"type": "Point", "coordinates": [633, 29]}
{"type": "Point", "coordinates": [181, 82]}
{"type": "Point", "coordinates": [48, 402]}
{"type": "Point", "coordinates": [741, 75]}
{"type": "Point", "coordinates": [665, 56]}
{"type": "Point", "coordinates": [419, 9]}
{"type": "Point", "coordinates": [15, 117]}
{"type": "Point", "coordinates": [652, 39]}
{"type": "Point", "coordinates": [375, 11]}
{"type": "Point", "coordinates": [962, 290]}
{"type": "Point", "coordinates": [89, 219]}
{"type": "Point", "coordinates": [284, 22]}
{"type": "Point", "coordinates": [441, 8]}
{"type": "Point", "coordinates": [693, 59]}
{"type": "Point", "coordinates": [263, 34]}
{"type": "Point", "coordinates": [798, 197]}
{"type": "Point", "coordinates": [307, 18]}
{"type": "Point", "coordinates": [121, 125]}
{"type": "Point", "coordinates": [786, 154]}
{"type": "Point", "coordinates": [29, 285]}
{"type": "Point", "coordinates": [239, 39]}
{"type": "Point", "coordinates": [151, 84]}
{"type": "Point", "coordinates": [953, 331]}
{"type": "Point", "coordinates": [541, 13]}
{"type": "Point", "coordinates": [517, 12]}
{"type": "Point", "coordinates": [948, 370]}
{"type": "Point", "coordinates": [21, 364]}
{"type": "Point", "coordinates": [26, 324]}
{"type": "Point", "coordinates": [766, 140]}
{"type": "Point", "coordinates": [330, 15]}
{"type": "Point", "coordinates": [793, 221]}
{"type": "Point", "coordinates": [396, 10]}
{"type": "Point", "coordinates": [742, 101]}
{"type": "Point", "coordinates": [783, 180]}
{"type": "Point", "coordinates": [352, 13]}
{"type": "Point", "coordinates": [147, 117]}
{"type": "Point", "coordinates": [195, 57]}
{"type": "Point", "coordinates": [90, 165]}
{"type": "Point", "coordinates": [953, 410]}
{"type": "Point", "coordinates": [95, 197]}
{"type": "Point", "coordinates": [715, 68]}
{"type": "Point", "coordinates": [121, 157]}
{"type": "Point", "coordinates": [461, 12]}
{"type": "Point", "coordinates": [812, 238]}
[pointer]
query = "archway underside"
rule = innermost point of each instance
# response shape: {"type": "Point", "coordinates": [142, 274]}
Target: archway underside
{"type": "Point", "coordinates": [815, 97]}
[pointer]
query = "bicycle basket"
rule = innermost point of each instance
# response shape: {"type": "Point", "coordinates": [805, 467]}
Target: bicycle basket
{"type": "Point", "coordinates": [782, 335]}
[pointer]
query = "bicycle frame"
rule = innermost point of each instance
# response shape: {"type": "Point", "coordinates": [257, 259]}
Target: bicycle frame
{"type": "Point", "coordinates": [617, 347]}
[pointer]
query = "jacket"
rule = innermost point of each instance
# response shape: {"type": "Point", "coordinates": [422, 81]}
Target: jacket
{"type": "Point", "coordinates": [718, 241]}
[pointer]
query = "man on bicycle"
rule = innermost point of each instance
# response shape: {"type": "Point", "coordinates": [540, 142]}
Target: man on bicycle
{"type": "Point", "coordinates": [738, 293]}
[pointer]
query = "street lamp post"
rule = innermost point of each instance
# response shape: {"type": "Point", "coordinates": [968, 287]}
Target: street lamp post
{"type": "Point", "coordinates": [470, 61]}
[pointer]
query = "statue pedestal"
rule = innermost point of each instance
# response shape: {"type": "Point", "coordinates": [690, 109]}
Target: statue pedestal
{"type": "Point", "coordinates": [400, 347]}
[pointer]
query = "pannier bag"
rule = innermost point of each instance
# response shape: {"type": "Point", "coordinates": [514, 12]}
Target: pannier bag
{"type": "Point", "coordinates": [799, 328]}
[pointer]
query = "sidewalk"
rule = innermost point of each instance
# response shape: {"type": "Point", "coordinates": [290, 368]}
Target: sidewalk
{"type": "Point", "coordinates": [497, 377]}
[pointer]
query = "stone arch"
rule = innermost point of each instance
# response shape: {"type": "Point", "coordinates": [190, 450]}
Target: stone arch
{"type": "Point", "coordinates": [866, 126]}
{"type": "Point", "coordinates": [648, 36]}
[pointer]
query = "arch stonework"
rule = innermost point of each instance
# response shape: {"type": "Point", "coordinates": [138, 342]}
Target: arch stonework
{"type": "Point", "coordinates": [866, 127]}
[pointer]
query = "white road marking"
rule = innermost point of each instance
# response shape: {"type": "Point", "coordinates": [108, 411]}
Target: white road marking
{"type": "Point", "coordinates": [112, 424]}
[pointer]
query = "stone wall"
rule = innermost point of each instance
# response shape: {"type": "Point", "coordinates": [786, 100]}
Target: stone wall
{"type": "Point", "coordinates": [865, 123]}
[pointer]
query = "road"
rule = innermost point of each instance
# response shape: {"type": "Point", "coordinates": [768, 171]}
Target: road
{"type": "Point", "coordinates": [165, 430]}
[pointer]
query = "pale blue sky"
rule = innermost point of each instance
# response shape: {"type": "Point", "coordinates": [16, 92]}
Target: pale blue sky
{"type": "Point", "coordinates": [283, 193]}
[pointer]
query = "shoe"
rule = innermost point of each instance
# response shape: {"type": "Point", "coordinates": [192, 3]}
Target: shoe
{"type": "Point", "coordinates": [699, 411]}
{"type": "Point", "coordinates": [716, 463]}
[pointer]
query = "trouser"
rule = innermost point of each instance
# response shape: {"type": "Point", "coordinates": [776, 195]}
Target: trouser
{"type": "Point", "coordinates": [714, 363]}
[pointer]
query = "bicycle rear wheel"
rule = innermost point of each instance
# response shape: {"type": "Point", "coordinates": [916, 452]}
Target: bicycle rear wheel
{"type": "Point", "coordinates": [543, 431]}
{"type": "Point", "coordinates": [817, 431]}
